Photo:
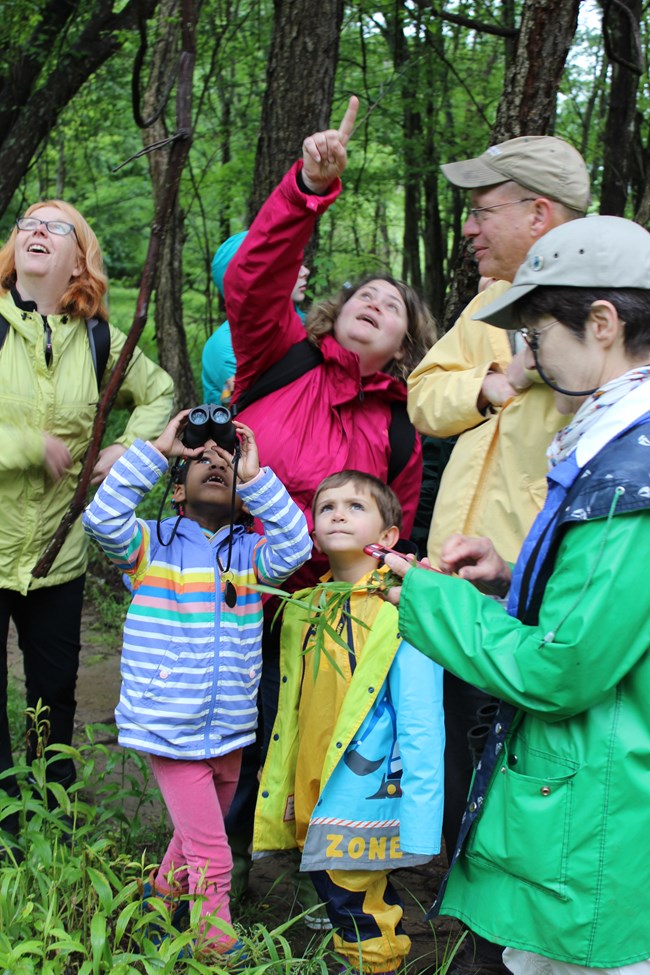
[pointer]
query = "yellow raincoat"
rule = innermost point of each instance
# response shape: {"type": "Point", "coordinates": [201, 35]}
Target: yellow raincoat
{"type": "Point", "coordinates": [494, 483]}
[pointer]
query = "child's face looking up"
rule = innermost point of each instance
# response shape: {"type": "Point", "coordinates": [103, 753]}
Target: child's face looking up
{"type": "Point", "coordinates": [207, 489]}
{"type": "Point", "coordinates": [347, 518]}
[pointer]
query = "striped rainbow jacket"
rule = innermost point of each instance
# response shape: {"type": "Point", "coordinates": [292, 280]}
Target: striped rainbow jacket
{"type": "Point", "coordinates": [190, 664]}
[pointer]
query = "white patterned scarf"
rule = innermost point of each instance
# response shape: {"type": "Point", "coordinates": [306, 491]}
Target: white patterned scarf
{"type": "Point", "coordinates": [565, 441]}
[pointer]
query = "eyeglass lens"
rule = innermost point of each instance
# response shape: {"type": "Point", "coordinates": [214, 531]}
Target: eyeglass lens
{"type": "Point", "coordinates": [59, 227]}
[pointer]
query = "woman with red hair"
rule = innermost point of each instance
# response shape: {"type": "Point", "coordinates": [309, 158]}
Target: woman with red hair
{"type": "Point", "coordinates": [52, 283]}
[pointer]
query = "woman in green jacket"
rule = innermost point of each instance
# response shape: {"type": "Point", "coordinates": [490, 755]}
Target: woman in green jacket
{"type": "Point", "coordinates": [52, 285]}
{"type": "Point", "coordinates": [552, 858]}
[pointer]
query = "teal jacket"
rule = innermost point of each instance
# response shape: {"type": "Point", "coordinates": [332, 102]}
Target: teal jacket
{"type": "Point", "coordinates": [218, 362]}
{"type": "Point", "coordinates": [381, 789]}
{"type": "Point", "coordinates": [556, 862]}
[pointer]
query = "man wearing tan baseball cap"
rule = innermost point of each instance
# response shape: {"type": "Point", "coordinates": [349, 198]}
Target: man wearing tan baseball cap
{"type": "Point", "coordinates": [542, 163]}
{"type": "Point", "coordinates": [473, 384]}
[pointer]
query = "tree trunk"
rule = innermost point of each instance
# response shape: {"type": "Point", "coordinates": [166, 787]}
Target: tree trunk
{"type": "Point", "coordinates": [435, 78]}
{"type": "Point", "coordinates": [527, 104]}
{"type": "Point", "coordinates": [299, 87]}
{"type": "Point", "coordinates": [621, 25]}
{"type": "Point", "coordinates": [177, 158]}
{"type": "Point", "coordinates": [642, 214]}
{"type": "Point", "coordinates": [37, 85]}
{"type": "Point", "coordinates": [407, 70]}
{"type": "Point", "coordinates": [170, 333]}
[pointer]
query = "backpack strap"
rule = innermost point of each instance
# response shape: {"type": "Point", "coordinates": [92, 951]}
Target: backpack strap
{"type": "Point", "coordinates": [99, 338]}
{"type": "Point", "coordinates": [300, 358]}
{"type": "Point", "coordinates": [401, 436]}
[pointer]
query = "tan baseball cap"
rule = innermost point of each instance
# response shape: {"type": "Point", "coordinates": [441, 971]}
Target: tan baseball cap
{"type": "Point", "coordinates": [542, 163]}
{"type": "Point", "coordinates": [594, 252]}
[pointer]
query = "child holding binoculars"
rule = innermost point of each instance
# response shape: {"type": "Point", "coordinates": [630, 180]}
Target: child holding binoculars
{"type": "Point", "coordinates": [191, 657]}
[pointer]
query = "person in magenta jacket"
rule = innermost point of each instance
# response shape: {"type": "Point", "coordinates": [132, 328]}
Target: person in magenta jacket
{"type": "Point", "coordinates": [333, 417]}
{"type": "Point", "coordinates": [336, 415]}
{"type": "Point", "coordinates": [218, 364]}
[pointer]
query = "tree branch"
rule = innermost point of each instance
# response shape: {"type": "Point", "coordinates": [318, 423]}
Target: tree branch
{"type": "Point", "coordinates": [469, 22]}
{"type": "Point", "coordinates": [177, 158]}
{"type": "Point", "coordinates": [102, 35]}
{"type": "Point", "coordinates": [23, 72]}
{"type": "Point", "coordinates": [608, 8]}
{"type": "Point", "coordinates": [136, 82]}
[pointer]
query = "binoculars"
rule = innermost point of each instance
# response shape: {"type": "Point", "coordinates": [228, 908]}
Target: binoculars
{"type": "Point", "coordinates": [210, 422]}
{"type": "Point", "coordinates": [477, 735]}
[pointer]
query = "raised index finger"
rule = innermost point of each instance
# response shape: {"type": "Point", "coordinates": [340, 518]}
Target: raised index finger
{"type": "Point", "coordinates": [346, 127]}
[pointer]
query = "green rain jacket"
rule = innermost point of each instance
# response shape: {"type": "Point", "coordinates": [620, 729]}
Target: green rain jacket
{"type": "Point", "coordinates": [557, 862]}
{"type": "Point", "coordinates": [60, 399]}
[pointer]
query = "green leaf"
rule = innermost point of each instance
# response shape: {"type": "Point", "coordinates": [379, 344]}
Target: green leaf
{"type": "Point", "coordinates": [98, 940]}
{"type": "Point", "coordinates": [124, 919]}
{"type": "Point", "coordinates": [102, 888]}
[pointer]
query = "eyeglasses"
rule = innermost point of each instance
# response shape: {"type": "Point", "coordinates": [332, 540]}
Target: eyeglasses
{"type": "Point", "coordinates": [58, 227]}
{"type": "Point", "coordinates": [476, 211]}
{"type": "Point", "coordinates": [531, 335]}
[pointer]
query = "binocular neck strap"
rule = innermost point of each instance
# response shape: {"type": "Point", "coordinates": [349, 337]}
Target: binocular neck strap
{"type": "Point", "coordinates": [226, 574]}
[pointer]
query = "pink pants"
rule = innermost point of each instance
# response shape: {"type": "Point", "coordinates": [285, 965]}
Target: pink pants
{"type": "Point", "coordinates": [198, 795]}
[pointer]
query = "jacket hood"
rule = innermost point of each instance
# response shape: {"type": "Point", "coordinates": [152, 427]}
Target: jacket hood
{"type": "Point", "coordinates": [224, 256]}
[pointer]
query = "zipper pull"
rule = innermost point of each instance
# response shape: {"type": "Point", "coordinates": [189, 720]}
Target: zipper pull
{"type": "Point", "coordinates": [48, 341]}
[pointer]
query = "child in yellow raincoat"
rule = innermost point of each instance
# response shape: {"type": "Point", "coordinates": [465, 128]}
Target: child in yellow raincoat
{"type": "Point", "coordinates": [354, 774]}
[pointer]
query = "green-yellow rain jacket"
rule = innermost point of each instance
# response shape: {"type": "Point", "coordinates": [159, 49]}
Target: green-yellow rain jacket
{"type": "Point", "coordinates": [59, 399]}
{"type": "Point", "coordinates": [364, 819]}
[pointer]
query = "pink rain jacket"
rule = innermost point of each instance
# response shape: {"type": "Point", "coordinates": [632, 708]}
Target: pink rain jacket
{"type": "Point", "coordinates": [329, 418]}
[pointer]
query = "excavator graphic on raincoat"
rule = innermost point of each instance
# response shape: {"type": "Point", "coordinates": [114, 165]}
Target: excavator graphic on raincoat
{"type": "Point", "coordinates": [381, 787]}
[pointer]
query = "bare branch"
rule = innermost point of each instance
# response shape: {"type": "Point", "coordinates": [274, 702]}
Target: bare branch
{"type": "Point", "coordinates": [177, 158]}
{"type": "Point", "coordinates": [608, 8]}
{"type": "Point", "coordinates": [468, 22]}
{"type": "Point", "coordinates": [136, 83]}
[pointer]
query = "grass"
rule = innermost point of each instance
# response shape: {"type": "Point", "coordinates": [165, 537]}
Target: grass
{"type": "Point", "coordinates": [69, 889]}
{"type": "Point", "coordinates": [122, 302]}
{"type": "Point", "coordinates": [69, 886]}
{"type": "Point", "coordinates": [69, 893]}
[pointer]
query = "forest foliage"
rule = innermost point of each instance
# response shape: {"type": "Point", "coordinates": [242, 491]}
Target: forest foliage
{"type": "Point", "coordinates": [430, 77]}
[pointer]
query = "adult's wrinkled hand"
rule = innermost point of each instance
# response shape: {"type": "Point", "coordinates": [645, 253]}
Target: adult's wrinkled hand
{"type": "Point", "coordinates": [57, 457]}
{"type": "Point", "coordinates": [477, 561]}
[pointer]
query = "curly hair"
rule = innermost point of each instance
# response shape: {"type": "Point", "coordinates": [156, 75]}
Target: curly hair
{"type": "Point", "coordinates": [84, 296]}
{"type": "Point", "coordinates": [421, 331]}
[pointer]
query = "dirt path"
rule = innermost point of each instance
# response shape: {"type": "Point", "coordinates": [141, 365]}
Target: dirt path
{"type": "Point", "coordinates": [272, 897]}
{"type": "Point", "coordinates": [98, 684]}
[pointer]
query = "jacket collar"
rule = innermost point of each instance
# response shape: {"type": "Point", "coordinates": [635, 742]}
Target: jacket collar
{"type": "Point", "coordinates": [23, 303]}
{"type": "Point", "coordinates": [347, 381]}
{"type": "Point", "coordinates": [23, 315]}
{"type": "Point", "coordinates": [188, 528]}
{"type": "Point", "coordinates": [614, 420]}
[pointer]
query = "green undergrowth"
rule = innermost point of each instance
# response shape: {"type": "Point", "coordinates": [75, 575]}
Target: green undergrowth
{"type": "Point", "coordinates": [71, 875]}
{"type": "Point", "coordinates": [72, 869]}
